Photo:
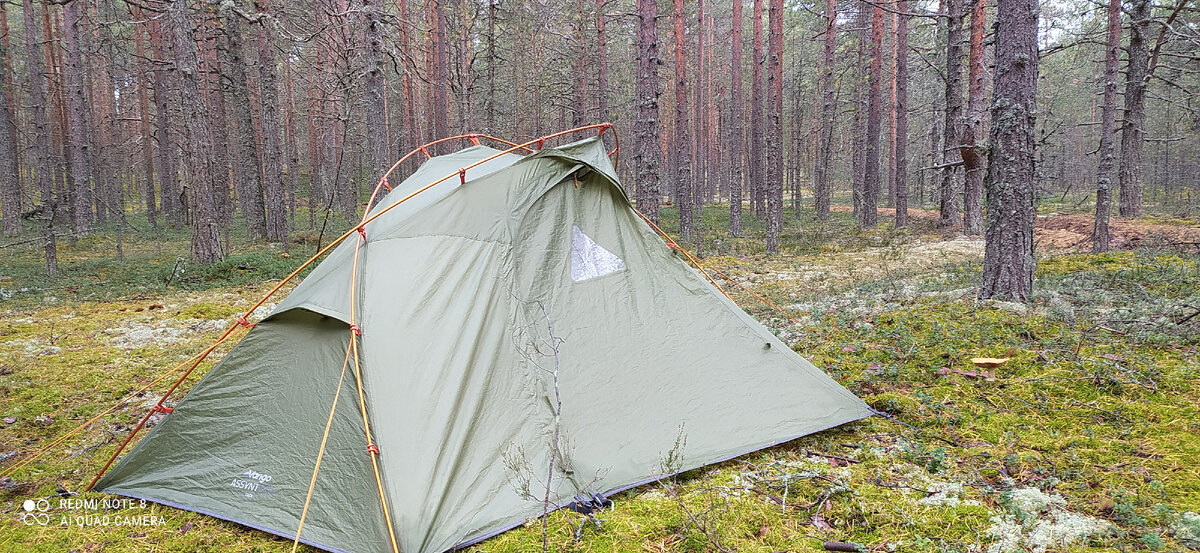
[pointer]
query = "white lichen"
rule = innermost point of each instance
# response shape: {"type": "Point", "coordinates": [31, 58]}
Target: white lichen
{"type": "Point", "coordinates": [1038, 522]}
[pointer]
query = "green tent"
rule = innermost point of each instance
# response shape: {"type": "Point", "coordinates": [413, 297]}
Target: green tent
{"type": "Point", "coordinates": [483, 304]}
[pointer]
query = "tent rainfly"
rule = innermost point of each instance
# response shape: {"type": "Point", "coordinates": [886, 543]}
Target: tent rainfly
{"type": "Point", "coordinates": [432, 363]}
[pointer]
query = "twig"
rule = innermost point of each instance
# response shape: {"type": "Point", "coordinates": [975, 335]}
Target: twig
{"type": "Point", "coordinates": [1105, 411]}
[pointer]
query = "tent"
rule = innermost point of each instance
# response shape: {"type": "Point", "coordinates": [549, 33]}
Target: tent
{"type": "Point", "coordinates": [516, 315]}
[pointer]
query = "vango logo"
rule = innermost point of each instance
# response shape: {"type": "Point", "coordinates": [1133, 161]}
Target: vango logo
{"type": "Point", "coordinates": [251, 474]}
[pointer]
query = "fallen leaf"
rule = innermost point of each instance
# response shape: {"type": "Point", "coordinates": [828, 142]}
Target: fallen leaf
{"type": "Point", "coordinates": [185, 529]}
{"type": "Point", "coordinates": [9, 420]}
{"type": "Point", "coordinates": [989, 362]}
{"type": "Point", "coordinates": [762, 531]}
{"type": "Point", "coordinates": [819, 523]}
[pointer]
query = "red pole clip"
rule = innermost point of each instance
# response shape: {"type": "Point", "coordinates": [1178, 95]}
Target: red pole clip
{"type": "Point", "coordinates": [603, 128]}
{"type": "Point", "coordinates": [426, 152]}
{"type": "Point", "coordinates": [241, 321]}
{"type": "Point", "coordinates": [541, 142]}
{"type": "Point", "coordinates": [357, 331]}
{"type": "Point", "coordinates": [161, 409]}
{"type": "Point", "coordinates": [362, 233]}
{"type": "Point", "coordinates": [673, 245]}
{"type": "Point", "coordinates": [462, 176]}
{"type": "Point", "coordinates": [474, 138]}
{"type": "Point", "coordinates": [385, 184]}
{"type": "Point", "coordinates": [372, 448]}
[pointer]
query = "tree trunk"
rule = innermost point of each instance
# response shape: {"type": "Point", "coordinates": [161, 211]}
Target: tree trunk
{"type": "Point", "coordinates": [78, 142]}
{"type": "Point", "coordinates": [273, 188]}
{"type": "Point", "coordinates": [1133, 129]}
{"type": "Point", "coordinates": [42, 168]}
{"type": "Point", "coordinates": [822, 184]}
{"type": "Point", "coordinates": [208, 81]}
{"type": "Point", "coordinates": [949, 192]}
{"type": "Point", "coordinates": [700, 119]}
{"type": "Point", "coordinates": [172, 203]}
{"type": "Point", "coordinates": [247, 174]}
{"type": "Point", "coordinates": [202, 168]}
{"type": "Point", "coordinates": [1008, 254]}
{"type": "Point", "coordinates": [412, 130]}
{"type": "Point", "coordinates": [735, 141]}
{"type": "Point", "coordinates": [147, 181]}
{"type": "Point", "coordinates": [869, 213]}
{"type": "Point", "coordinates": [647, 153]}
{"type": "Point", "coordinates": [601, 62]}
{"type": "Point", "coordinates": [900, 130]}
{"type": "Point", "coordinates": [579, 91]}
{"type": "Point", "coordinates": [891, 172]}
{"type": "Point", "coordinates": [10, 173]}
{"type": "Point", "coordinates": [56, 103]}
{"type": "Point", "coordinates": [292, 145]}
{"type": "Point", "coordinates": [774, 177]}
{"type": "Point", "coordinates": [490, 101]}
{"type": "Point", "coordinates": [755, 153]}
{"type": "Point", "coordinates": [1108, 116]}
{"type": "Point", "coordinates": [858, 134]}
{"type": "Point", "coordinates": [373, 88]}
{"type": "Point", "coordinates": [971, 151]}
{"type": "Point", "coordinates": [441, 75]}
{"type": "Point", "coordinates": [683, 177]}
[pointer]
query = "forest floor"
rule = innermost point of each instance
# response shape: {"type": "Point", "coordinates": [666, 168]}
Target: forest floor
{"type": "Point", "coordinates": [1087, 439]}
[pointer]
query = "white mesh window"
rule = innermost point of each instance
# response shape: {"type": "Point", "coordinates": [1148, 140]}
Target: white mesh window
{"type": "Point", "coordinates": [589, 259]}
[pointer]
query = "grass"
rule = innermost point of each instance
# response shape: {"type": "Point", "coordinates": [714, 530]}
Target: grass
{"type": "Point", "coordinates": [1090, 430]}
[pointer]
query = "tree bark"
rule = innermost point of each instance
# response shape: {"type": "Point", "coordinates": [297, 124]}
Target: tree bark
{"type": "Point", "coordinates": [202, 167]}
{"type": "Point", "coordinates": [868, 215]}
{"type": "Point", "coordinates": [949, 192]}
{"type": "Point", "coordinates": [10, 173]}
{"type": "Point", "coordinates": [973, 127]}
{"type": "Point", "coordinates": [646, 156]}
{"type": "Point", "coordinates": [247, 176]}
{"type": "Point", "coordinates": [774, 177]}
{"type": "Point", "coordinates": [683, 177]}
{"type": "Point", "coordinates": [579, 91]}
{"type": "Point", "coordinates": [42, 168]}
{"type": "Point", "coordinates": [900, 127]}
{"type": "Point", "coordinates": [755, 154]}
{"type": "Point", "coordinates": [375, 91]}
{"type": "Point", "coordinates": [78, 135]}
{"type": "Point", "coordinates": [1133, 128]}
{"type": "Point", "coordinates": [736, 141]}
{"type": "Point", "coordinates": [822, 185]}
{"type": "Point", "coordinates": [292, 144]}
{"type": "Point", "coordinates": [441, 74]}
{"type": "Point", "coordinates": [273, 188]}
{"type": "Point", "coordinates": [602, 62]}
{"type": "Point", "coordinates": [148, 172]}
{"type": "Point", "coordinates": [1008, 261]}
{"type": "Point", "coordinates": [172, 202]}
{"type": "Point", "coordinates": [1108, 116]}
{"type": "Point", "coordinates": [700, 183]}
{"type": "Point", "coordinates": [858, 134]}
